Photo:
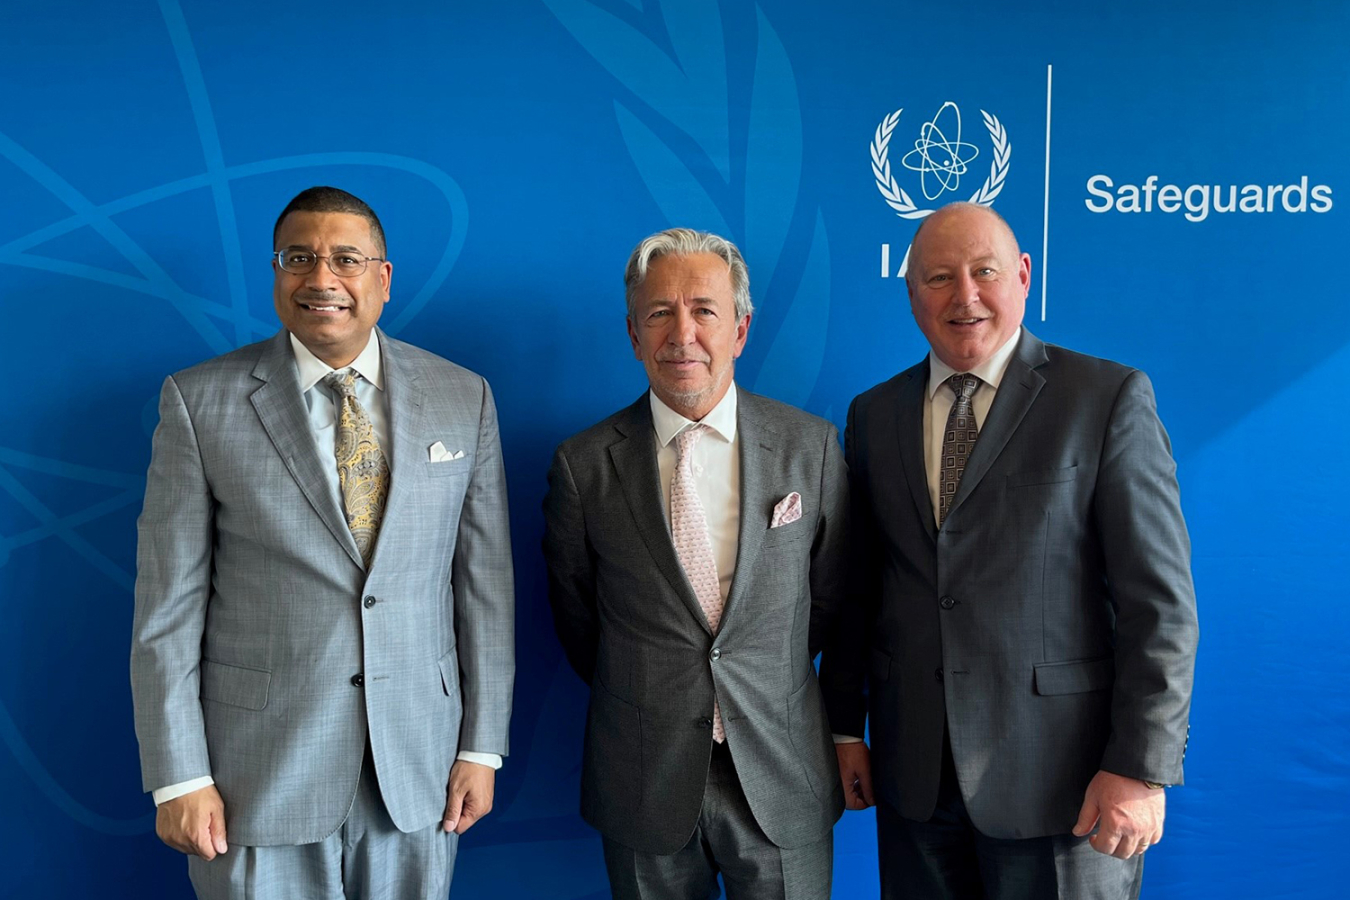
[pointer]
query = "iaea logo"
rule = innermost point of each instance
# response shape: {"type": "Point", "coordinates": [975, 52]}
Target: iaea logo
{"type": "Point", "coordinates": [939, 158]}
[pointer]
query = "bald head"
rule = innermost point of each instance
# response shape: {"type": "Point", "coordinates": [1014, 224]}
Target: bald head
{"type": "Point", "coordinates": [963, 211]}
{"type": "Point", "coordinates": [967, 283]}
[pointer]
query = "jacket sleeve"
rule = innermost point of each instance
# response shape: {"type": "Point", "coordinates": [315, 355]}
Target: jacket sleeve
{"type": "Point", "coordinates": [176, 532]}
{"type": "Point", "coordinates": [571, 569]}
{"type": "Point", "coordinates": [1146, 552]}
{"type": "Point", "coordinates": [484, 591]}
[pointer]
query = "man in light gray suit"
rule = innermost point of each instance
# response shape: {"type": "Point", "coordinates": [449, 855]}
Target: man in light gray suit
{"type": "Point", "coordinates": [1026, 635]}
{"type": "Point", "coordinates": [693, 543]}
{"type": "Point", "coordinates": [322, 654]}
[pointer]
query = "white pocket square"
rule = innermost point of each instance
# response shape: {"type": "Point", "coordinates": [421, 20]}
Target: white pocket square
{"type": "Point", "coordinates": [788, 510]}
{"type": "Point", "coordinates": [438, 453]}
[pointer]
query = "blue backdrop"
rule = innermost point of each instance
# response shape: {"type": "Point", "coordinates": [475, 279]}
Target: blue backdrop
{"type": "Point", "coordinates": [1175, 170]}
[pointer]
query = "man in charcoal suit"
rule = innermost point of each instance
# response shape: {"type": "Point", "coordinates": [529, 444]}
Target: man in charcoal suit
{"type": "Point", "coordinates": [1025, 636]}
{"type": "Point", "coordinates": [322, 656]}
{"type": "Point", "coordinates": [693, 543]}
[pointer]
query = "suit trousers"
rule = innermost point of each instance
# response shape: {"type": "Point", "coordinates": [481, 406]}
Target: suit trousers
{"type": "Point", "coordinates": [367, 858]}
{"type": "Point", "coordinates": [727, 841]}
{"type": "Point", "coordinates": [947, 858]}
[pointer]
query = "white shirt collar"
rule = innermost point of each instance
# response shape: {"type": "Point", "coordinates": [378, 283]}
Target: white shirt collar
{"type": "Point", "coordinates": [367, 364]}
{"type": "Point", "coordinates": [721, 419]}
{"type": "Point", "coordinates": [990, 372]}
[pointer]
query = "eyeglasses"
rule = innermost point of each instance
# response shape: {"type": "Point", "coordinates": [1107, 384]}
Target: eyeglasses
{"type": "Point", "coordinates": [343, 265]}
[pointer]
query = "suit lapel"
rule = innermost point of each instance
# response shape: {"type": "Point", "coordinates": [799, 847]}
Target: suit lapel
{"type": "Point", "coordinates": [404, 398]}
{"type": "Point", "coordinates": [909, 433]}
{"type": "Point", "coordinates": [281, 408]}
{"type": "Point", "coordinates": [634, 459]}
{"type": "Point", "coordinates": [1020, 386]}
{"type": "Point", "coordinates": [758, 457]}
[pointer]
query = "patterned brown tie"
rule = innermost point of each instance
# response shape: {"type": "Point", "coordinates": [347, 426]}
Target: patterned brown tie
{"type": "Point", "coordinates": [957, 440]}
{"type": "Point", "coordinates": [363, 472]}
{"type": "Point", "coordinates": [693, 542]}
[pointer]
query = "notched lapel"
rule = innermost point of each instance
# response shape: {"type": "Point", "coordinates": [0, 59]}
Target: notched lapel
{"type": "Point", "coordinates": [909, 433]}
{"type": "Point", "coordinates": [281, 409]}
{"type": "Point", "coordinates": [758, 458]}
{"type": "Point", "coordinates": [634, 459]}
{"type": "Point", "coordinates": [404, 396]}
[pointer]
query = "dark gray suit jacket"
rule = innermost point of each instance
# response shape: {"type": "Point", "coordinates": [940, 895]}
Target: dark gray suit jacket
{"type": "Point", "coordinates": [254, 611]}
{"type": "Point", "coordinates": [632, 628]}
{"type": "Point", "coordinates": [1051, 622]}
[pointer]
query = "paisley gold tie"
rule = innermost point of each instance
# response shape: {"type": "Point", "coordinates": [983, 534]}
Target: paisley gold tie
{"type": "Point", "coordinates": [363, 472]}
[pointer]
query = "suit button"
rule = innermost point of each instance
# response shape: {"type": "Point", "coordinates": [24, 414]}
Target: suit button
{"type": "Point", "coordinates": [715, 655]}
{"type": "Point", "coordinates": [705, 723]}
{"type": "Point", "coordinates": [358, 679]}
{"type": "Point", "coordinates": [369, 602]}
{"type": "Point", "coordinates": [947, 602]}
{"type": "Point", "coordinates": [937, 673]}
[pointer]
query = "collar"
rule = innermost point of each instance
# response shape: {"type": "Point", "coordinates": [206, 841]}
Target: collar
{"type": "Point", "coordinates": [991, 372]}
{"type": "Point", "coordinates": [721, 419]}
{"type": "Point", "coordinates": [367, 364]}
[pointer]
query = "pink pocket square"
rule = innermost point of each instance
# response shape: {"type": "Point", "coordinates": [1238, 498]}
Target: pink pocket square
{"type": "Point", "coordinates": [788, 510]}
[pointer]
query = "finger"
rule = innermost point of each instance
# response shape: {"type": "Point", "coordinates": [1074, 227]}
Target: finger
{"type": "Point", "coordinates": [201, 842]}
{"type": "Point", "coordinates": [454, 805]}
{"type": "Point", "coordinates": [217, 826]}
{"type": "Point", "coordinates": [1105, 842]}
{"type": "Point", "coordinates": [1087, 819]}
{"type": "Point", "coordinates": [865, 783]}
{"type": "Point", "coordinates": [466, 821]}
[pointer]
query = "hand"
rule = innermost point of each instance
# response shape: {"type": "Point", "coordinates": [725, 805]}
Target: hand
{"type": "Point", "coordinates": [1127, 813]}
{"type": "Point", "coordinates": [194, 823]}
{"type": "Point", "coordinates": [469, 795]}
{"type": "Point", "coordinates": [855, 770]}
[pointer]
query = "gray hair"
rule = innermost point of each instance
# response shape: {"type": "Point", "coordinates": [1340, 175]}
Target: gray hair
{"type": "Point", "coordinates": [686, 242]}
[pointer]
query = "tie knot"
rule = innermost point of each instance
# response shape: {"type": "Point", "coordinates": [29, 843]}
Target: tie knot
{"type": "Point", "coordinates": [964, 386]}
{"type": "Point", "coordinates": [342, 383]}
{"type": "Point", "coordinates": [686, 440]}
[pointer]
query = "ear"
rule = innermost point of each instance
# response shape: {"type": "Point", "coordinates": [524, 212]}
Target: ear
{"type": "Point", "coordinates": [742, 332]}
{"type": "Point", "coordinates": [633, 338]}
{"type": "Point", "coordinates": [1024, 273]}
{"type": "Point", "coordinates": [386, 278]}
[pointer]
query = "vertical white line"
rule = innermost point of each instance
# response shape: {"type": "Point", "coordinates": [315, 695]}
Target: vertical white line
{"type": "Point", "coordinates": [885, 260]}
{"type": "Point", "coordinates": [1045, 235]}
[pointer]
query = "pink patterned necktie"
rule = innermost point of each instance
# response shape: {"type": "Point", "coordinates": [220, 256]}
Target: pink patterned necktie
{"type": "Point", "coordinates": [693, 543]}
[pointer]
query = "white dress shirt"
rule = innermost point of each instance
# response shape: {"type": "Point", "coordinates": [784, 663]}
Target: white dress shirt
{"type": "Point", "coordinates": [322, 405]}
{"type": "Point", "coordinates": [717, 475]}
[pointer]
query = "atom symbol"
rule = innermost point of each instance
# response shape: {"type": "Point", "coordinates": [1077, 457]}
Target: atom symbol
{"type": "Point", "coordinates": [940, 158]}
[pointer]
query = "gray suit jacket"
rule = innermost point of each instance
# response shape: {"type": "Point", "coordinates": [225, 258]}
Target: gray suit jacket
{"type": "Point", "coordinates": [633, 630]}
{"type": "Point", "coordinates": [1051, 622]}
{"type": "Point", "coordinates": [254, 613]}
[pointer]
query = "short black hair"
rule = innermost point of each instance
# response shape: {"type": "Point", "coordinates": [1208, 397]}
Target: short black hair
{"type": "Point", "coordinates": [333, 200]}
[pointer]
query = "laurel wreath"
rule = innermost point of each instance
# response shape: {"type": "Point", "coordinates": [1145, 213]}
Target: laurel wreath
{"type": "Point", "coordinates": [900, 201]}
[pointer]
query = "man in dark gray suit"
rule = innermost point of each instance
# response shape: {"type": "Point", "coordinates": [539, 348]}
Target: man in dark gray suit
{"type": "Point", "coordinates": [693, 543]}
{"type": "Point", "coordinates": [322, 654]}
{"type": "Point", "coordinates": [1025, 638]}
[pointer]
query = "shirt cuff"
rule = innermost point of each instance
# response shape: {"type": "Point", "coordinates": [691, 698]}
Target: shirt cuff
{"type": "Point", "coordinates": [173, 791]}
{"type": "Point", "coordinates": [492, 760]}
{"type": "Point", "coordinates": [846, 739]}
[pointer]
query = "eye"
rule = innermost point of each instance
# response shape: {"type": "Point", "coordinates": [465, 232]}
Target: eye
{"type": "Point", "coordinates": [939, 278]}
{"type": "Point", "coordinates": [299, 258]}
{"type": "Point", "coordinates": [706, 311]}
{"type": "Point", "coordinates": [984, 271]}
{"type": "Point", "coordinates": [346, 259]}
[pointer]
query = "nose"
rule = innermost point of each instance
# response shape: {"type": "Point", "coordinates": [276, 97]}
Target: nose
{"type": "Point", "coordinates": [967, 289]}
{"type": "Point", "coordinates": [321, 278]}
{"type": "Point", "coordinates": [682, 329]}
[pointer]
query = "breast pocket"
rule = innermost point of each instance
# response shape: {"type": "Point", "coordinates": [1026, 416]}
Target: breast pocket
{"type": "Point", "coordinates": [450, 468]}
{"type": "Point", "coordinates": [1033, 477]}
